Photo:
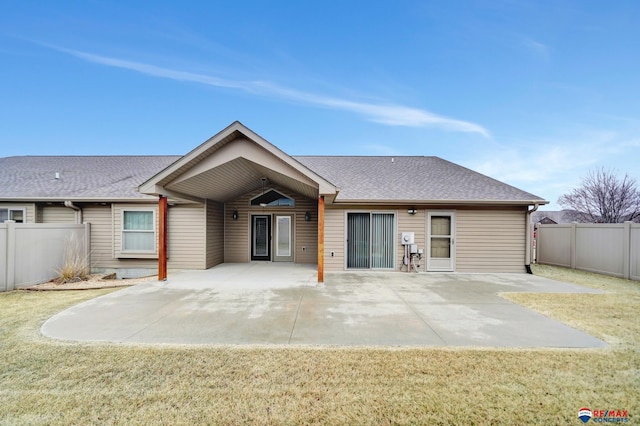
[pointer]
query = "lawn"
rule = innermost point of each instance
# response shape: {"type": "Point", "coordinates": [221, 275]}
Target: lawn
{"type": "Point", "coordinates": [50, 382]}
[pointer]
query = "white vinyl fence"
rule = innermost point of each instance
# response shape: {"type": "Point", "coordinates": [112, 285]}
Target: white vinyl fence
{"type": "Point", "coordinates": [30, 253]}
{"type": "Point", "coordinates": [611, 249]}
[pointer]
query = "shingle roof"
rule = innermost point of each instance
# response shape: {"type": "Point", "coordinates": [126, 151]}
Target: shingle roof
{"type": "Point", "coordinates": [381, 179]}
{"type": "Point", "coordinates": [410, 179]}
{"type": "Point", "coordinates": [81, 177]}
{"type": "Point", "coordinates": [561, 216]}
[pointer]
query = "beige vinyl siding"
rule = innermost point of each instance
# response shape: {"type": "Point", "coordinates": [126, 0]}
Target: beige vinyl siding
{"type": "Point", "coordinates": [30, 210]}
{"type": "Point", "coordinates": [185, 239]}
{"type": "Point", "coordinates": [100, 218]}
{"type": "Point", "coordinates": [117, 211]}
{"type": "Point", "coordinates": [237, 232]}
{"type": "Point", "coordinates": [411, 223]}
{"type": "Point", "coordinates": [306, 233]}
{"type": "Point", "coordinates": [56, 214]}
{"type": "Point", "coordinates": [490, 240]}
{"type": "Point", "coordinates": [486, 240]}
{"type": "Point", "coordinates": [215, 233]}
{"type": "Point", "coordinates": [334, 239]}
{"type": "Point", "coordinates": [103, 234]}
{"type": "Point", "coordinates": [186, 236]}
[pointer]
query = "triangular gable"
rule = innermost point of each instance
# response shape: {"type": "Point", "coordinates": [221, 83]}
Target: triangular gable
{"type": "Point", "coordinates": [232, 151]}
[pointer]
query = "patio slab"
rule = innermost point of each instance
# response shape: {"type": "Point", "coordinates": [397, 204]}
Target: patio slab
{"type": "Point", "coordinates": [280, 304]}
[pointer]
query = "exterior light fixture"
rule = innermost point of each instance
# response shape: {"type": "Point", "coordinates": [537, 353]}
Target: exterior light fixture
{"type": "Point", "coordinates": [264, 180]}
{"type": "Point", "coordinates": [235, 215]}
{"type": "Point", "coordinates": [307, 216]}
{"type": "Point", "coordinates": [412, 211]}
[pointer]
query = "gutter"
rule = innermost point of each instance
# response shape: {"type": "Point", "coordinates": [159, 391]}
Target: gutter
{"type": "Point", "coordinates": [78, 210]}
{"type": "Point", "coordinates": [527, 248]}
{"type": "Point", "coordinates": [441, 202]}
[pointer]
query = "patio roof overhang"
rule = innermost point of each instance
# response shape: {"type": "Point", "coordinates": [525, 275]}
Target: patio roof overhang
{"type": "Point", "coordinates": [232, 163]}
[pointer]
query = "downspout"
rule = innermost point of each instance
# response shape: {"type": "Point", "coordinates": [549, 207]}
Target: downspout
{"type": "Point", "coordinates": [527, 249]}
{"type": "Point", "coordinates": [78, 210]}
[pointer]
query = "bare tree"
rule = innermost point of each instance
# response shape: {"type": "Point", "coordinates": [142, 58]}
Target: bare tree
{"type": "Point", "coordinates": [603, 198]}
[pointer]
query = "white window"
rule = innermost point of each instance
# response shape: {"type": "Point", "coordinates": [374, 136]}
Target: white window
{"type": "Point", "coordinates": [138, 231]}
{"type": "Point", "coordinates": [16, 214]}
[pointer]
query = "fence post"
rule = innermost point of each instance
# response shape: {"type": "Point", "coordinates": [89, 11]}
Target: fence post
{"type": "Point", "coordinates": [572, 244]}
{"type": "Point", "coordinates": [626, 250]}
{"type": "Point", "coordinates": [87, 244]}
{"type": "Point", "coordinates": [11, 254]}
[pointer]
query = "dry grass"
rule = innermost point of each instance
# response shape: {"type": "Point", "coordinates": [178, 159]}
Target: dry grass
{"type": "Point", "coordinates": [75, 265]}
{"type": "Point", "coordinates": [48, 382]}
{"type": "Point", "coordinates": [613, 317]}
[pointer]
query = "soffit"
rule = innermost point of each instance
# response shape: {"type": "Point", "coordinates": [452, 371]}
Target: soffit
{"type": "Point", "coordinates": [234, 178]}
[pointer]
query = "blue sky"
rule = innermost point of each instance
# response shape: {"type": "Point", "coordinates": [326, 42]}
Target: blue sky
{"type": "Point", "coordinates": [534, 93]}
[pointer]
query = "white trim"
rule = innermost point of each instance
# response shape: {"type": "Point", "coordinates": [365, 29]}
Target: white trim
{"type": "Point", "coordinates": [266, 190]}
{"type": "Point", "coordinates": [123, 250]}
{"type": "Point", "coordinates": [395, 245]}
{"type": "Point", "coordinates": [451, 265]}
{"type": "Point", "coordinates": [292, 246]}
{"type": "Point", "coordinates": [15, 207]}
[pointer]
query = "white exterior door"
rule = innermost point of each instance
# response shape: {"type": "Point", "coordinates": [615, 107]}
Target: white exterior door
{"type": "Point", "coordinates": [283, 246]}
{"type": "Point", "coordinates": [441, 249]}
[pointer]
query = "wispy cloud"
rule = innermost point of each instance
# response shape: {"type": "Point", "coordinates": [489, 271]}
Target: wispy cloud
{"type": "Point", "coordinates": [553, 167]}
{"type": "Point", "coordinates": [389, 114]}
{"type": "Point", "coordinates": [536, 47]}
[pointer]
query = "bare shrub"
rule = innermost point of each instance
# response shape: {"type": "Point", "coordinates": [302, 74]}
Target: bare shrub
{"type": "Point", "coordinates": [76, 261]}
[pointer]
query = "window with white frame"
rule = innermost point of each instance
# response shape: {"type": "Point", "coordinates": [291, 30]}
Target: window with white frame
{"type": "Point", "coordinates": [17, 214]}
{"type": "Point", "coordinates": [138, 231]}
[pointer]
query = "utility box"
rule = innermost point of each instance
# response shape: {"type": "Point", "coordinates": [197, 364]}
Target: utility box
{"type": "Point", "coordinates": [413, 248]}
{"type": "Point", "coordinates": [407, 238]}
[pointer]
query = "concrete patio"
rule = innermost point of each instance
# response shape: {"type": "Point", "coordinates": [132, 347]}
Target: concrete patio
{"type": "Point", "coordinates": [281, 304]}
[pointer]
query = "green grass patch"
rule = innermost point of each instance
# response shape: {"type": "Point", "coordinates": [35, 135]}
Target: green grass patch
{"type": "Point", "coordinates": [49, 382]}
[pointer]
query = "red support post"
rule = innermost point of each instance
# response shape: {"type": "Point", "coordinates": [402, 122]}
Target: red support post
{"type": "Point", "coordinates": [321, 239]}
{"type": "Point", "coordinates": [162, 239]}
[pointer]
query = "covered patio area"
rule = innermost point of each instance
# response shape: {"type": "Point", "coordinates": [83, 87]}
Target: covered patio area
{"type": "Point", "coordinates": [260, 204]}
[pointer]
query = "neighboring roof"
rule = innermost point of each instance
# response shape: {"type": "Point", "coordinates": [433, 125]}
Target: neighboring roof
{"type": "Point", "coordinates": [81, 177]}
{"type": "Point", "coordinates": [552, 216]}
{"type": "Point", "coordinates": [411, 179]}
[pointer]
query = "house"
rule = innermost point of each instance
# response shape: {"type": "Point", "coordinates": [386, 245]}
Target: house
{"type": "Point", "coordinates": [553, 217]}
{"type": "Point", "coordinates": [238, 198]}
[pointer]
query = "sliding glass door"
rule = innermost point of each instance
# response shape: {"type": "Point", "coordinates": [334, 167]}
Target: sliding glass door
{"type": "Point", "coordinates": [370, 240]}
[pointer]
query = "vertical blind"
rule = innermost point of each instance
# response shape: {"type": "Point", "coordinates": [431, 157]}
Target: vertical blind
{"type": "Point", "coordinates": [370, 240]}
{"type": "Point", "coordinates": [382, 240]}
{"type": "Point", "coordinates": [358, 240]}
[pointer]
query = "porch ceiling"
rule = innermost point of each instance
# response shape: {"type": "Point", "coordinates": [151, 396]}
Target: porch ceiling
{"type": "Point", "coordinates": [234, 178]}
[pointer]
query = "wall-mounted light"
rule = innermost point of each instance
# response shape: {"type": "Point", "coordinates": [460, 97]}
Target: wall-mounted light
{"type": "Point", "coordinates": [412, 211]}
{"type": "Point", "coordinates": [307, 216]}
{"type": "Point", "coordinates": [234, 216]}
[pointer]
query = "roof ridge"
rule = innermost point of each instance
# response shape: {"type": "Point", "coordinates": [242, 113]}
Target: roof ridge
{"type": "Point", "coordinates": [366, 156]}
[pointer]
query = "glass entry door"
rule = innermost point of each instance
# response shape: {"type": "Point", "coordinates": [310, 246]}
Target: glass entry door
{"type": "Point", "coordinates": [283, 245]}
{"type": "Point", "coordinates": [260, 237]}
{"type": "Point", "coordinates": [441, 250]}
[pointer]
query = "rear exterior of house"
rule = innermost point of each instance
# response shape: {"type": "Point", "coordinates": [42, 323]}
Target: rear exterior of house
{"type": "Point", "coordinates": [237, 198]}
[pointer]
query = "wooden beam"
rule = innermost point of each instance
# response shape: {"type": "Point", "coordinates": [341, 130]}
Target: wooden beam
{"type": "Point", "coordinates": [321, 239]}
{"type": "Point", "coordinates": [162, 239]}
